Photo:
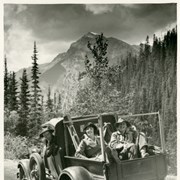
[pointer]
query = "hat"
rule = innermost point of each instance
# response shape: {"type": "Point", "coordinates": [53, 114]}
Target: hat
{"type": "Point", "coordinates": [91, 125]}
{"type": "Point", "coordinates": [45, 129]}
{"type": "Point", "coordinates": [120, 120]}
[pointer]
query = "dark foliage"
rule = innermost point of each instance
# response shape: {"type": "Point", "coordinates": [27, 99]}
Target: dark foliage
{"type": "Point", "coordinates": [24, 102]}
{"type": "Point", "coordinates": [13, 93]}
{"type": "Point", "coordinates": [36, 108]}
{"type": "Point", "coordinates": [97, 68]}
{"type": "Point", "coordinates": [6, 84]}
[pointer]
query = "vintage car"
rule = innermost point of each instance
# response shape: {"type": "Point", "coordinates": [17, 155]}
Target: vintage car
{"type": "Point", "coordinates": [65, 166]}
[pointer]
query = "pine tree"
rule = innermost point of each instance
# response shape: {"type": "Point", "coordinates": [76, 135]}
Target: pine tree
{"type": "Point", "coordinates": [36, 108]}
{"type": "Point", "coordinates": [49, 105]}
{"type": "Point", "coordinates": [55, 102]}
{"type": "Point", "coordinates": [59, 101]}
{"type": "Point", "coordinates": [58, 105]}
{"type": "Point", "coordinates": [6, 82]}
{"type": "Point", "coordinates": [147, 48]}
{"type": "Point", "coordinates": [21, 128]}
{"type": "Point", "coordinates": [13, 93]}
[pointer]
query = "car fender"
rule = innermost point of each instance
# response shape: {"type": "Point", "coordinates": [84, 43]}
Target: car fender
{"type": "Point", "coordinates": [24, 164]}
{"type": "Point", "coordinates": [75, 173]}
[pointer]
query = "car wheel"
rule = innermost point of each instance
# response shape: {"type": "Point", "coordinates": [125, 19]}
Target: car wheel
{"type": "Point", "coordinates": [36, 166]}
{"type": "Point", "coordinates": [23, 167]}
{"type": "Point", "coordinates": [22, 174]}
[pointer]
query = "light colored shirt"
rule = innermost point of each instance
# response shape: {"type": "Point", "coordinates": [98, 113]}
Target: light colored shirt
{"type": "Point", "coordinates": [117, 139]}
{"type": "Point", "coordinates": [89, 148]}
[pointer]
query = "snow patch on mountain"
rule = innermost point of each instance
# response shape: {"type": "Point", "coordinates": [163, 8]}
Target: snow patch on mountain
{"type": "Point", "coordinates": [94, 33]}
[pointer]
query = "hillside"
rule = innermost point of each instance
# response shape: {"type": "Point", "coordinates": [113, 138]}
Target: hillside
{"type": "Point", "coordinates": [53, 73]}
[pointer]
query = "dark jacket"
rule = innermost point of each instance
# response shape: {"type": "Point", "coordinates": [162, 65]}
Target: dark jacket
{"type": "Point", "coordinates": [51, 147]}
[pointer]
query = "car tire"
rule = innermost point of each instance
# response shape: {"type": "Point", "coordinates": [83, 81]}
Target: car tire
{"type": "Point", "coordinates": [23, 167]}
{"type": "Point", "coordinates": [36, 167]}
{"type": "Point", "coordinates": [22, 173]}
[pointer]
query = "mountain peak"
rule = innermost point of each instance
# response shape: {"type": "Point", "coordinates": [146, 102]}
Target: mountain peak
{"type": "Point", "coordinates": [91, 34]}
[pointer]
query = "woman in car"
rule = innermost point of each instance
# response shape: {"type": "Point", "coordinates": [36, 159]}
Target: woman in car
{"type": "Point", "coordinates": [90, 146]}
{"type": "Point", "coordinates": [127, 141]}
{"type": "Point", "coordinates": [123, 140]}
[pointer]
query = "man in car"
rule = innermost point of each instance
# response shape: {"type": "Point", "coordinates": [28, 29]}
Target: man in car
{"type": "Point", "coordinates": [51, 147]}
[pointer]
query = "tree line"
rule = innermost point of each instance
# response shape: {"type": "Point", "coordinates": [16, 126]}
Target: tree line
{"type": "Point", "coordinates": [24, 106]}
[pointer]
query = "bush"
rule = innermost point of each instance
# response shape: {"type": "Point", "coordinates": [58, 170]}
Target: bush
{"type": "Point", "coordinates": [10, 121]}
{"type": "Point", "coordinates": [18, 147]}
{"type": "Point", "coordinates": [15, 147]}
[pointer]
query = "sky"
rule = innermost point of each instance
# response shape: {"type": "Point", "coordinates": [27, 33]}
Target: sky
{"type": "Point", "coordinates": [55, 27]}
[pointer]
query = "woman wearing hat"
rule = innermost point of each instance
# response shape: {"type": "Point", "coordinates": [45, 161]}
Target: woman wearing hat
{"type": "Point", "coordinates": [123, 140]}
{"type": "Point", "coordinates": [90, 146]}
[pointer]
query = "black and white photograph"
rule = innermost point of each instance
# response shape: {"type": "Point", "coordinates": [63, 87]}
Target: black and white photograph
{"type": "Point", "coordinates": [90, 90]}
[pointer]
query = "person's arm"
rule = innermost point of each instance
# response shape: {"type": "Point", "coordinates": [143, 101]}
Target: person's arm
{"type": "Point", "coordinates": [130, 137]}
{"type": "Point", "coordinates": [49, 151]}
{"type": "Point", "coordinates": [80, 150]}
{"type": "Point", "coordinates": [142, 140]}
{"type": "Point", "coordinates": [114, 143]}
{"type": "Point", "coordinates": [52, 149]}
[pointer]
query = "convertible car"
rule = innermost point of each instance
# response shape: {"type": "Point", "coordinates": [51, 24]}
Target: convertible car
{"type": "Point", "coordinates": [65, 166]}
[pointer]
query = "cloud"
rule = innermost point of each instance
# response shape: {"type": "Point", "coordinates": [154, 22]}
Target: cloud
{"type": "Point", "coordinates": [21, 8]}
{"type": "Point", "coordinates": [18, 47]}
{"type": "Point", "coordinates": [11, 13]}
{"type": "Point", "coordinates": [99, 9]}
{"type": "Point", "coordinates": [160, 33]}
{"type": "Point", "coordinates": [55, 27]}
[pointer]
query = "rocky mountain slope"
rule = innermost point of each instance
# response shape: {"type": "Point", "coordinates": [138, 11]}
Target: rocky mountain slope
{"type": "Point", "coordinates": [66, 66]}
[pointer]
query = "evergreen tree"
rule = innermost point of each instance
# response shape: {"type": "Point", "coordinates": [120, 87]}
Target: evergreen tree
{"type": "Point", "coordinates": [6, 82]}
{"type": "Point", "coordinates": [58, 105]}
{"type": "Point", "coordinates": [49, 102]}
{"type": "Point", "coordinates": [21, 128]}
{"type": "Point", "coordinates": [55, 102]}
{"type": "Point", "coordinates": [13, 93]}
{"type": "Point", "coordinates": [49, 105]}
{"type": "Point", "coordinates": [36, 108]}
{"type": "Point", "coordinates": [59, 101]}
{"type": "Point", "coordinates": [147, 49]}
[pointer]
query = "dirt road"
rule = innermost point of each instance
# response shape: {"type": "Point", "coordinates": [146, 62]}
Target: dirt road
{"type": "Point", "coordinates": [10, 169]}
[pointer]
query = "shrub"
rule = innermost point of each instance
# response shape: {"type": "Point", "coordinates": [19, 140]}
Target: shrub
{"type": "Point", "coordinates": [18, 147]}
